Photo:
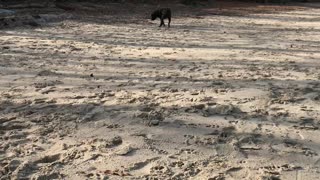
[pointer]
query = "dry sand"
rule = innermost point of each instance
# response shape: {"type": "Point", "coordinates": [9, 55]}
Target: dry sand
{"type": "Point", "coordinates": [214, 97]}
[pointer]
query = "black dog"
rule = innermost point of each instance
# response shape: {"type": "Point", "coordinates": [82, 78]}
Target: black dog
{"type": "Point", "coordinates": [163, 13]}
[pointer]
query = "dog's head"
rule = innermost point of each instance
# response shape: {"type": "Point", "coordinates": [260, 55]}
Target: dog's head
{"type": "Point", "coordinates": [154, 15]}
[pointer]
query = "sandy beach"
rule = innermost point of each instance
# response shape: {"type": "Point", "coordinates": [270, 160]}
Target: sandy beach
{"type": "Point", "coordinates": [91, 95]}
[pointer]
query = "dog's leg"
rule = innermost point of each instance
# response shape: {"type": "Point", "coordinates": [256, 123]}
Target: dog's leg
{"type": "Point", "coordinates": [169, 21]}
{"type": "Point", "coordinates": [162, 23]}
